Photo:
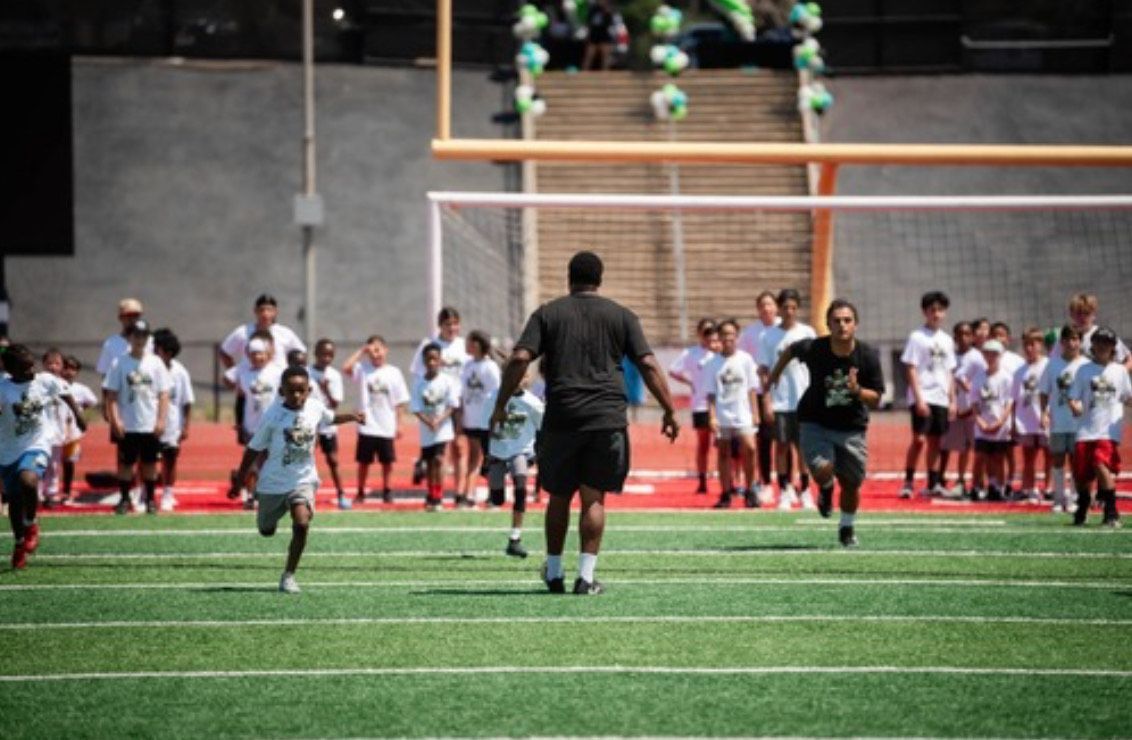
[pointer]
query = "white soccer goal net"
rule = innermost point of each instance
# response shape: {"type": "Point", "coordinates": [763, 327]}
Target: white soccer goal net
{"type": "Point", "coordinates": [674, 259]}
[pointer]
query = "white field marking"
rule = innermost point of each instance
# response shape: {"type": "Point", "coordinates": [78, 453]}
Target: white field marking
{"type": "Point", "coordinates": [584, 619]}
{"type": "Point", "coordinates": [556, 670]}
{"type": "Point", "coordinates": [521, 585]}
{"type": "Point", "coordinates": [706, 552]}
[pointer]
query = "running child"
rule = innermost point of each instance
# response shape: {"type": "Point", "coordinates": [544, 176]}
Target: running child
{"type": "Point", "coordinates": [510, 449]}
{"type": "Point", "coordinates": [733, 413]}
{"type": "Point", "coordinates": [1029, 431]}
{"type": "Point", "coordinates": [288, 478]}
{"type": "Point", "coordinates": [137, 404]}
{"type": "Point", "coordinates": [689, 368]}
{"type": "Point", "coordinates": [929, 359]}
{"type": "Point", "coordinates": [960, 435]}
{"type": "Point", "coordinates": [327, 387]}
{"type": "Point", "coordinates": [257, 383]}
{"type": "Point", "coordinates": [435, 399]}
{"type": "Point", "coordinates": [25, 442]}
{"type": "Point", "coordinates": [72, 432]}
{"type": "Point", "coordinates": [993, 407]}
{"type": "Point", "coordinates": [381, 388]}
{"type": "Point", "coordinates": [181, 400]}
{"type": "Point", "coordinates": [49, 485]}
{"type": "Point", "coordinates": [480, 383]}
{"type": "Point", "coordinates": [1057, 417]}
{"type": "Point", "coordinates": [1097, 397]}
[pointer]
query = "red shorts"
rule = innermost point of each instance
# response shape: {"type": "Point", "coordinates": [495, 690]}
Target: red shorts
{"type": "Point", "coordinates": [1089, 455]}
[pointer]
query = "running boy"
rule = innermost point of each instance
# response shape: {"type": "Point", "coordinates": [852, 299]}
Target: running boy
{"type": "Point", "coordinates": [181, 400]}
{"type": "Point", "coordinates": [288, 478]}
{"type": "Point", "coordinates": [72, 432]}
{"type": "Point", "coordinates": [1057, 417]}
{"type": "Point", "coordinates": [993, 407]}
{"type": "Point", "coordinates": [383, 394]}
{"type": "Point", "coordinates": [326, 386]}
{"type": "Point", "coordinates": [1029, 431]}
{"type": "Point", "coordinates": [480, 383]}
{"type": "Point", "coordinates": [137, 404]}
{"type": "Point", "coordinates": [733, 413]}
{"type": "Point", "coordinates": [688, 368]}
{"type": "Point", "coordinates": [1097, 398]}
{"type": "Point", "coordinates": [511, 447]}
{"type": "Point", "coordinates": [929, 358]}
{"type": "Point", "coordinates": [25, 446]}
{"type": "Point", "coordinates": [435, 399]}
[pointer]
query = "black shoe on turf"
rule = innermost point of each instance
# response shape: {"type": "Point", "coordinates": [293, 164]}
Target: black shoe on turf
{"type": "Point", "coordinates": [825, 502]}
{"type": "Point", "coordinates": [123, 505]}
{"type": "Point", "coordinates": [515, 549]}
{"type": "Point", "coordinates": [387, 496]}
{"type": "Point", "coordinates": [724, 502]}
{"type": "Point", "coordinates": [848, 539]}
{"type": "Point", "coordinates": [750, 499]}
{"type": "Point", "coordinates": [553, 585]}
{"type": "Point", "coordinates": [588, 588]}
{"type": "Point", "coordinates": [419, 471]}
{"type": "Point", "coordinates": [1112, 521]}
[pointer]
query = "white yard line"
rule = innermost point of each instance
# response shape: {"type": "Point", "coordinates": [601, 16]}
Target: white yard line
{"type": "Point", "coordinates": [559, 670]}
{"type": "Point", "coordinates": [582, 619]}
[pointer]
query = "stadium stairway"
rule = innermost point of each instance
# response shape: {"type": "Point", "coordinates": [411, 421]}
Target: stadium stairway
{"type": "Point", "coordinates": [729, 257]}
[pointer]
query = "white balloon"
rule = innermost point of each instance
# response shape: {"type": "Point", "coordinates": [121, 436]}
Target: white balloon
{"type": "Point", "coordinates": [658, 54]}
{"type": "Point", "coordinates": [524, 92]}
{"type": "Point", "coordinates": [538, 107]}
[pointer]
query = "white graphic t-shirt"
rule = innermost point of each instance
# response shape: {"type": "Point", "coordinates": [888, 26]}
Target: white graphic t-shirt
{"type": "Point", "coordinates": [25, 415]}
{"type": "Point", "coordinates": [795, 378]}
{"type": "Point", "coordinates": [1102, 391]}
{"type": "Point", "coordinates": [1027, 398]}
{"type": "Point", "coordinates": [84, 399]}
{"type": "Point", "coordinates": [1055, 383]}
{"type": "Point", "coordinates": [932, 353]}
{"type": "Point", "coordinates": [516, 436]}
{"type": "Point", "coordinates": [284, 339]}
{"type": "Point", "coordinates": [1087, 345]}
{"type": "Point", "coordinates": [382, 390]}
{"type": "Point", "coordinates": [691, 363]}
{"type": "Point", "coordinates": [180, 395]}
{"type": "Point", "coordinates": [289, 435]}
{"type": "Point", "coordinates": [989, 397]}
{"type": "Point", "coordinates": [431, 398]}
{"type": "Point", "coordinates": [480, 380]}
{"type": "Point", "coordinates": [732, 380]}
{"type": "Point", "coordinates": [260, 389]}
{"type": "Point", "coordinates": [751, 335]}
{"type": "Point", "coordinates": [138, 384]}
{"type": "Point", "coordinates": [453, 356]}
{"type": "Point", "coordinates": [333, 380]}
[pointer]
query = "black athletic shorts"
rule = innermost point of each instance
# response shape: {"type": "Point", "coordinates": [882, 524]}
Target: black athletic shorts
{"type": "Point", "coordinates": [598, 459]}
{"type": "Point", "coordinates": [483, 435]}
{"type": "Point", "coordinates": [933, 425]}
{"type": "Point", "coordinates": [169, 454]}
{"type": "Point", "coordinates": [700, 420]}
{"type": "Point", "coordinates": [134, 446]}
{"type": "Point", "coordinates": [433, 451]}
{"type": "Point", "coordinates": [993, 446]}
{"type": "Point", "coordinates": [328, 443]}
{"type": "Point", "coordinates": [379, 448]}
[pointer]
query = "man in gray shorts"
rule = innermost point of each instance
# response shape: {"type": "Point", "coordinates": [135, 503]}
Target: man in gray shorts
{"type": "Point", "coordinates": [845, 382]}
{"type": "Point", "coordinates": [584, 444]}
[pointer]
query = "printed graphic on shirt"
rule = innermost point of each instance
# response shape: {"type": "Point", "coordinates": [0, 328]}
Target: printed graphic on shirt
{"type": "Point", "coordinates": [1102, 389]}
{"type": "Point", "coordinates": [937, 357]}
{"type": "Point", "coordinates": [140, 384]}
{"type": "Point", "coordinates": [262, 393]}
{"type": "Point", "coordinates": [28, 412]}
{"type": "Point", "coordinates": [377, 387]}
{"type": "Point", "coordinates": [837, 389]}
{"type": "Point", "coordinates": [1030, 390]}
{"type": "Point", "coordinates": [512, 426]}
{"type": "Point", "coordinates": [988, 394]}
{"type": "Point", "coordinates": [298, 442]}
{"type": "Point", "coordinates": [433, 396]}
{"type": "Point", "coordinates": [475, 389]}
{"type": "Point", "coordinates": [732, 383]}
{"type": "Point", "coordinates": [1064, 383]}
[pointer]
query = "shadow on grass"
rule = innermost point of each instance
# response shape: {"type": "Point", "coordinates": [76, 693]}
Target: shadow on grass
{"type": "Point", "coordinates": [482, 592]}
{"type": "Point", "coordinates": [785, 547]}
{"type": "Point", "coordinates": [235, 589]}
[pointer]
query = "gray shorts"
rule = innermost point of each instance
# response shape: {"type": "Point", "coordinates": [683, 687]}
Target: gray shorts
{"type": "Point", "coordinates": [274, 506]}
{"type": "Point", "coordinates": [848, 451]}
{"type": "Point", "coordinates": [497, 470]}
{"type": "Point", "coordinates": [726, 434]}
{"type": "Point", "coordinates": [1062, 443]}
{"type": "Point", "coordinates": [786, 427]}
{"type": "Point", "coordinates": [960, 435]}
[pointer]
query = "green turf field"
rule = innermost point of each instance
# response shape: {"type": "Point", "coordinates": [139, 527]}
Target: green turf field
{"type": "Point", "coordinates": [712, 624]}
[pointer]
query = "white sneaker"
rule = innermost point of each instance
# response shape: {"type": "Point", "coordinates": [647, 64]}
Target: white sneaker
{"type": "Point", "coordinates": [906, 491]}
{"type": "Point", "coordinates": [288, 585]}
{"type": "Point", "coordinates": [1033, 496]}
{"type": "Point", "coordinates": [938, 490]}
{"type": "Point", "coordinates": [765, 495]}
{"type": "Point", "coordinates": [787, 498]}
{"type": "Point", "coordinates": [168, 503]}
{"type": "Point", "coordinates": [808, 501]}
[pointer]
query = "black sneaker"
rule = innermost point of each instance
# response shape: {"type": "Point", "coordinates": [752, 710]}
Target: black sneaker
{"type": "Point", "coordinates": [848, 539]}
{"type": "Point", "coordinates": [1082, 511]}
{"type": "Point", "coordinates": [515, 549]}
{"type": "Point", "coordinates": [750, 499]}
{"type": "Point", "coordinates": [702, 487]}
{"type": "Point", "coordinates": [825, 502]}
{"type": "Point", "coordinates": [123, 505]}
{"type": "Point", "coordinates": [233, 485]}
{"type": "Point", "coordinates": [151, 507]}
{"type": "Point", "coordinates": [387, 496]}
{"type": "Point", "coordinates": [419, 471]}
{"type": "Point", "coordinates": [724, 502]}
{"type": "Point", "coordinates": [553, 585]}
{"type": "Point", "coordinates": [588, 588]}
{"type": "Point", "coordinates": [1111, 520]}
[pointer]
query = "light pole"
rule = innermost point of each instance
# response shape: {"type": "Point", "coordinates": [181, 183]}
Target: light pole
{"type": "Point", "coordinates": [308, 203]}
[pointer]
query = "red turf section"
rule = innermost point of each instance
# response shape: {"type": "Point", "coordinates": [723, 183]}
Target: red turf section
{"type": "Point", "coordinates": [661, 477]}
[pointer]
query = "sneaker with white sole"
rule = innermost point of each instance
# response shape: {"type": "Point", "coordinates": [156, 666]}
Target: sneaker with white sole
{"type": "Point", "coordinates": [808, 501]}
{"type": "Point", "coordinates": [168, 503]}
{"type": "Point", "coordinates": [906, 491]}
{"type": "Point", "coordinates": [847, 537]}
{"type": "Point", "coordinates": [288, 584]}
{"type": "Point", "coordinates": [787, 498]}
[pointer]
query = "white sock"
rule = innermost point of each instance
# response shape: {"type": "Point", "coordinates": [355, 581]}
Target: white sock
{"type": "Point", "coordinates": [516, 533]}
{"type": "Point", "coordinates": [553, 567]}
{"type": "Point", "coordinates": [586, 565]}
{"type": "Point", "coordinates": [847, 519]}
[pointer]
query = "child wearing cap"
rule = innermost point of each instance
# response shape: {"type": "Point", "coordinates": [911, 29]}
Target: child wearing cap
{"type": "Point", "coordinates": [137, 407]}
{"type": "Point", "coordinates": [256, 383]}
{"type": "Point", "coordinates": [1097, 399]}
{"type": "Point", "coordinates": [992, 405]}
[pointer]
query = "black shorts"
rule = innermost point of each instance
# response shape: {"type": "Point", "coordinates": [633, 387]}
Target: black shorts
{"type": "Point", "coordinates": [169, 453]}
{"type": "Point", "coordinates": [433, 451]}
{"type": "Point", "coordinates": [700, 420]}
{"type": "Point", "coordinates": [134, 446]}
{"type": "Point", "coordinates": [370, 448]}
{"type": "Point", "coordinates": [993, 446]}
{"type": "Point", "coordinates": [932, 425]}
{"type": "Point", "coordinates": [598, 459]}
{"type": "Point", "coordinates": [483, 435]}
{"type": "Point", "coordinates": [328, 443]}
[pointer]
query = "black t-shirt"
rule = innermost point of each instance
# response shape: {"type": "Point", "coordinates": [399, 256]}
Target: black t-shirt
{"type": "Point", "coordinates": [583, 337]}
{"type": "Point", "coordinates": [827, 401]}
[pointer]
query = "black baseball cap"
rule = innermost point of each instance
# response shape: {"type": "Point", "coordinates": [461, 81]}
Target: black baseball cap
{"type": "Point", "coordinates": [141, 326]}
{"type": "Point", "coordinates": [1104, 334]}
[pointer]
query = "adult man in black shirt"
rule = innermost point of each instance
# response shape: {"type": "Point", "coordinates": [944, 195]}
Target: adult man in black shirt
{"type": "Point", "coordinates": [584, 443]}
{"type": "Point", "coordinates": [845, 382]}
